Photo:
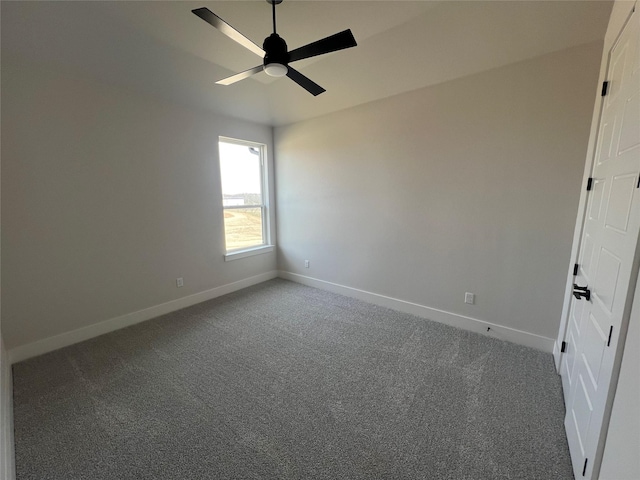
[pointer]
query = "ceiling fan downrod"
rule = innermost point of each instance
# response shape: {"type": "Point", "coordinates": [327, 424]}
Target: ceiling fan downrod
{"type": "Point", "coordinates": [276, 57]}
{"type": "Point", "coordinates": [273, 10]}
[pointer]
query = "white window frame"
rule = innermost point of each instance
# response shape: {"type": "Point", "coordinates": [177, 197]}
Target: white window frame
{"type": "Point", "coordinates": [267, 246]}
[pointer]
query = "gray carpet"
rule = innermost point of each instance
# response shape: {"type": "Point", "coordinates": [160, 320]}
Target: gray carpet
{"type": "Point", "coordinates": [284, 381]}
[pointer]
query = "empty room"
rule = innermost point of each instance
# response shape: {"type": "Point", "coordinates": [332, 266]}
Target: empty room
{"type": "Point", "coordinates": [272, 239]}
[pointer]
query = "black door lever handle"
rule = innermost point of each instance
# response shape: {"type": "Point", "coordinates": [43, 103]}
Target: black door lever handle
{"type": "Point", "coordinates": [581, 292]}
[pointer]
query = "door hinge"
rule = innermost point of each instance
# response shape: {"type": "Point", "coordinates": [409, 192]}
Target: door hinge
{"type": "Point", "coordinates": [589, 184]}
{"type": "Point", "coordinates": [610, 333]}
{"type": "Point", "coordinates": [605, 88]}
{"type": "Point", "coordinates": [584, 469]}
{"type": "Point", "coordinates": [563, 348]}
{"type": "Point", "coordinates": [575, 269]}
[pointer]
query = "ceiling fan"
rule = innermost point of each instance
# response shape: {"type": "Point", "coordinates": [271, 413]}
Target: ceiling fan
{"type": "Point", "coordinates": [276, 57]}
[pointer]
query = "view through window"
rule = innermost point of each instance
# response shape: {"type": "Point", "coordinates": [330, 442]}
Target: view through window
{"type": "Point", "coordinates": [242, 174]}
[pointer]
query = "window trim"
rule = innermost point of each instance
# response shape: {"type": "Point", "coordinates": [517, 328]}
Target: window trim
{"type": "Point", "coordinates": [266, 246]}
{"type": "Point", "coordinates": [248, 252]}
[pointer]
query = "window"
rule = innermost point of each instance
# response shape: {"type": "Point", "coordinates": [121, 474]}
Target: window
{"type": "Point", "coordinates": [243, 173]}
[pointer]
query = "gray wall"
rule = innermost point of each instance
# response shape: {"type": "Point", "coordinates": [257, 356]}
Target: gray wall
{"type": "Point", "coordinates": [471, 185]}
{"type": "Point", "coordinates": [107, 197]}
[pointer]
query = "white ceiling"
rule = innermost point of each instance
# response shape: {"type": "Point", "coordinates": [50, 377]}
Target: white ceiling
{"type": "Point", "coordinates": [161, 48]}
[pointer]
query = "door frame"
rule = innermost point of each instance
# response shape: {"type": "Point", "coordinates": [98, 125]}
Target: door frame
{"type": "Point", "coordinates": [618, 21]}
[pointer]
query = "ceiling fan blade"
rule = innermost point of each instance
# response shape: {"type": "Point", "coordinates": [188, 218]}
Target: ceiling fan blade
{"type": "Point", "coordinates": [240, 76]}
{"type": "Point", "coordinates": [212, 19]}
{"type": "Point", "coordinates": [339, 41]}
{"type": "Point", "coordinates": [309, 85]}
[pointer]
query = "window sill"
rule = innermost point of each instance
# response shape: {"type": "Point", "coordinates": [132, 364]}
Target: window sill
{"type": "Point", "coordinates": [248, 253]}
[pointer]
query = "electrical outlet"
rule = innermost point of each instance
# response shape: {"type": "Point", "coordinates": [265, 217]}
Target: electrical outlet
{"type": "Point", "coordinates": [306, 264]}
{"type": "Point", "coordinates": [179, 282]}
{"type": "Point", "coordinates": [469, 298]}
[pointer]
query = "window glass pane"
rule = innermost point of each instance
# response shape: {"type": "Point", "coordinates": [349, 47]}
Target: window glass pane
{"type": "Point", "coordinates": [243, 227]}
{"type": "Point", "coordinates": [241, 175]}
{"type": "Point", "coordinates": [242, 181]}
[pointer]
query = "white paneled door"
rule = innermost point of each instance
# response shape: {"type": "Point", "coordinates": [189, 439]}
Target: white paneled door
{"type": "Point", "coordinates": [608, 261]}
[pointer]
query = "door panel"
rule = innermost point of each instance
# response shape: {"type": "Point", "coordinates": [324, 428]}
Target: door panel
{"type": "Point", "coordinates": [594, 341]}
{"type": "Point", "coordinates": [617, 73]}
{"type": "Point", "coordinates": [606, 280]}
{"type": "Point", "coordinates": [587, 257]}
{"type": "Point", "coordinates": [581, 414]}
{"type": "Point", "coordinates": [620, 202]}
{"type": "Point", "coordinates": [595, 200]}
{"type": "Point", "coordinates": [606, 135]}
{"type": "Point", "coordinates": [569, 363]}
{"type": "Point", "coordinates": [630, 117]}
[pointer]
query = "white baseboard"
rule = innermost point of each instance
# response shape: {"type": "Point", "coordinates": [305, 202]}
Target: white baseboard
{"type": "Point", "coordinates": [50, 344]}
{"type": "Point", "coordinates": [7, 464]}
{"type": "Point", "coordinates": [453, 319]}
{"type": "Point", "coordinates": [46, 345]}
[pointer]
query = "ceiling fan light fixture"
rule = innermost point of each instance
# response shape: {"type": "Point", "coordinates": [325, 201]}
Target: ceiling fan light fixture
{"type": "Point", "coordinates": [276, 69]}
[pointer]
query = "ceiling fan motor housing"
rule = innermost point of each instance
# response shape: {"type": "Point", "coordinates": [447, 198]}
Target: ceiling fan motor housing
{"type": "Point", "coordinates": [276, 50]}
